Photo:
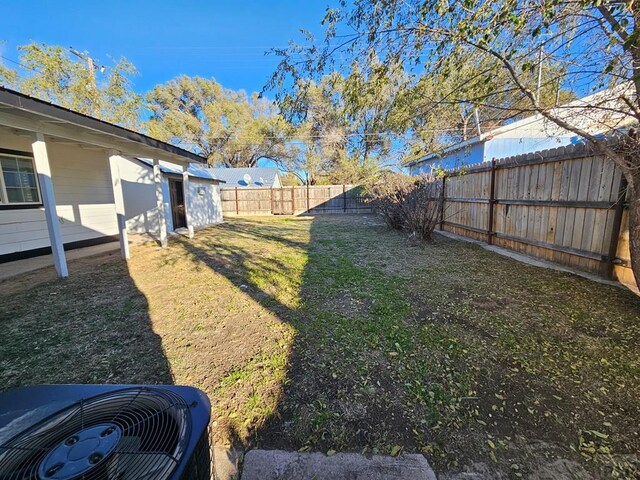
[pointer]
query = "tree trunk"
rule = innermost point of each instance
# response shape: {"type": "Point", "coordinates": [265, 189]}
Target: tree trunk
{"type": "Point", "coordinates": [634, 224]}
{"type": "Point", "coordinates": [633, 176]}
{"type": "Point", "coordinates": [465, 125]}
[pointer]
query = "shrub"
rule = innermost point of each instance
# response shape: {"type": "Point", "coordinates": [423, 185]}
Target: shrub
{"type": "Point", "coordinates": [386, 196]}
{"type": "Point", "coordinates": [408, 203]}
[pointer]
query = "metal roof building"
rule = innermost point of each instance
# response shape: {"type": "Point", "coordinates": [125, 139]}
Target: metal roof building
{"type": "Point", "coordinates": [248, 177]}
{"type": "Point", "coordinates": [597, 114]}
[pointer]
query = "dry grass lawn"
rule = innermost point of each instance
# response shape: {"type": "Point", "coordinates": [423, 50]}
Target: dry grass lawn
{"type": "Point", "coordinates": [337, 334]}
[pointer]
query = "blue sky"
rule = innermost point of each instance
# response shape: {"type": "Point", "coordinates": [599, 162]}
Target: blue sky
{"type": "Point", "coordinates": [221, 39]}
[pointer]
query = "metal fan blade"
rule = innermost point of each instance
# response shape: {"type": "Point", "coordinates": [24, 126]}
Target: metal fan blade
{"type": "Point", "coordinates": [140, 466]}
{"type": "Point", "coordinates": [129, 463]}
{"type": "Point", "coordinates": [24, 474]}
{"type": "Point", "coordinates": [118, 465]}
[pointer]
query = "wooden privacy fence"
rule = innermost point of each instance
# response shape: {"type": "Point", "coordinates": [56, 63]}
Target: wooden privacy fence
{"type": "Point", "coordinates": [565, 205]}
{"type": "Point", "coordinates": [312, 200]}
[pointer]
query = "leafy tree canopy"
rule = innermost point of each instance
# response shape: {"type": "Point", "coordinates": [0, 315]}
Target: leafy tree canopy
{"type": "Point", "coordinates": [49, 73]}
{"type": "Point", "coordinates": [347, 123]}
{"type": "Point", "coordinates": [228, 127]}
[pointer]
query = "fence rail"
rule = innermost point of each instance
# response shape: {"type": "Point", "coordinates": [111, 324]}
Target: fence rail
{"type": "Point", "coordinates": [565, 205]}
{"type": "Point", "coordinates": [312, 200]}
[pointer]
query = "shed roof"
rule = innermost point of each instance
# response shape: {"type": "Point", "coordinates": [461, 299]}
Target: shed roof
{"type": "Point", "coordinates": [194, 170]}
{"type": "Point", "coordinates": [257, 176]}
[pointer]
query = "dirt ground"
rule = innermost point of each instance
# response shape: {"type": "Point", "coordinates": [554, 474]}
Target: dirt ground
{"type": "Point", "coordinates": [335, 334]}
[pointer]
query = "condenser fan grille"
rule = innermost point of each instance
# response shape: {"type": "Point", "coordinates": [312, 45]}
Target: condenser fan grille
{"type": "Point", "coordinates": [130, 434]}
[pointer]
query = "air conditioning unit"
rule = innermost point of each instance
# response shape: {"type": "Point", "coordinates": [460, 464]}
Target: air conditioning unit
{"type": "Point", "coordinates": [111, 432]}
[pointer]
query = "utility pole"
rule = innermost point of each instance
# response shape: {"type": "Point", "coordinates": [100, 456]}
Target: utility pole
{"type": "Point", "coordinates": [540, 53]}
{"type": "Point", "coordinates": [91, 65]}
{"type": "Point", "coordinates": [475, 112]}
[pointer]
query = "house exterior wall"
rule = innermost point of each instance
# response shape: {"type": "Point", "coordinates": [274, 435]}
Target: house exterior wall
{"type": "Point", "coordinates": [533, 134]}
{"type": "Point", "coordinates": [205, 205]}
{"type": "Point", "coordinates": [84, 196]}
{"type": "Point", "coordinates": [456, 159]}
{"type": "Point", "coordinates": [528, 135]}
{"type": "Point", "coordinates": [139, 192]}
{"type": "Point", "coordinates": [501, 147]}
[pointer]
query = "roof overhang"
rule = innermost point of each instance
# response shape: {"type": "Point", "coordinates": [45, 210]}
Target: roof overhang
{"type": "Point", "coordinates": [25, 113]}
{"type": "Point", "coordinates": [172, 172]}
{"type": "Point", "coordinates": [438, 155]}
{"type": "Point", "coordinates": [193, 178]}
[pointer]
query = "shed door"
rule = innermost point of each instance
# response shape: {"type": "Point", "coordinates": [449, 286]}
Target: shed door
{"type": "Point", "coordinates": [178, 215]}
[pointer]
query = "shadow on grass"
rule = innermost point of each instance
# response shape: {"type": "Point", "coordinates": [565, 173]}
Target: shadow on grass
{"type": "Point", "coordinates": [436, 349]}
{"type": "Point", "coordinates": [93, 327]}
{"type": "Point", "coordinates": [344, 383]}
{"type": "Point", "coordinates": [332, 334]}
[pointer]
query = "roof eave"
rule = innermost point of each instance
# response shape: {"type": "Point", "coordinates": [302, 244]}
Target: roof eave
{"type": "Point", "coordinates": [34, 106]}
{"type": "Point", "coordinates": [450, 149]}
{"type": "Point", "coordinates": [167, 173]}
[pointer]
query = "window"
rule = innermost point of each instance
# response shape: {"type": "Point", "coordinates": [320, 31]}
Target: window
{"type": "Point", "coordinates": [18, 180]}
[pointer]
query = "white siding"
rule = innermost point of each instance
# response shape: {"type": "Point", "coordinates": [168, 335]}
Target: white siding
{"type": "Point", "coordinates": [139, 193]}
{"type": "Point", "coordinates": [140, 199]}
{"type": "Point", "coordinates": [83, 190]}
{"type": "Point", "coordinates": [84, 197]}
{"type": "Point", "coordinates": [22, 230]}
{"type": "Point", "coordinates": [205, 205]}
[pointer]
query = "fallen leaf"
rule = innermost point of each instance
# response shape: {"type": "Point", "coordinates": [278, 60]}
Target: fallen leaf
{"type": "Point", "coordinates": [396, 450]}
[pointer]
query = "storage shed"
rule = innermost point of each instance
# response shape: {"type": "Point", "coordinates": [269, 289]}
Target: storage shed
{"type": "Point", "coordinates": [200, 197]}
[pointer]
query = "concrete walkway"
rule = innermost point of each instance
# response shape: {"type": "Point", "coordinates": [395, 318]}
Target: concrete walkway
{"type": "Point", "coordinates": [280, 465]}
{"type": "Point", "coordinates": [11, 269]}
{"type": "Point", "coordinates": [536, 262]}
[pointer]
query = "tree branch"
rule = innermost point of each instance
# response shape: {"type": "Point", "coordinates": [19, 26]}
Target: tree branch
{"type": "Point", "coordinates": [597, 143]}
{"type": "Point", "coordinates": [615, 25]}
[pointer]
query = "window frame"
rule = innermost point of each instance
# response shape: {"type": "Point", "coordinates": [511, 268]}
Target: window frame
{"type": "Point", "coordinates": [4, 200]}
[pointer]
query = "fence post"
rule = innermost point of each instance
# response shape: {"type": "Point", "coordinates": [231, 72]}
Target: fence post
{"type": "Point", "coordinates": [492, 201]}
{"type": "Point", "coordinates": [344, 198]}
{"type": "Point", "coordinates": [610, 264]}
{"type": "Point", "coordinates": [442, 199]}
{"type": "Point", "coordinates": [271, 195]}
{"type": "Point", "coordinates": [308, 204]}
{"type": "Point", "coordinates": [237, 207]}
{"type": "Point", "coordinates": [293, 199]}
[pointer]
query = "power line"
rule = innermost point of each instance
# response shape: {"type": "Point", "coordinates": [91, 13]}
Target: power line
{"type": "Point", "coordinates": [20, 64]}
{"type": "Point", "coordinates": [223, 47]}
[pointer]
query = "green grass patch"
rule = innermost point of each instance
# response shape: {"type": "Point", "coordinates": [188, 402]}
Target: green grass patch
{"type": "Point", "coordinates": [337, 334]}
